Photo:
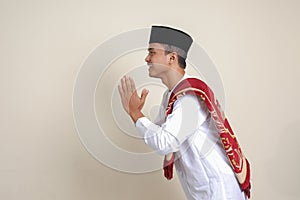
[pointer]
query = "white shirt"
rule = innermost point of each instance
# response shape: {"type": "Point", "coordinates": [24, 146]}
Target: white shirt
{"type": "Point", "coordinates": [201, 163]}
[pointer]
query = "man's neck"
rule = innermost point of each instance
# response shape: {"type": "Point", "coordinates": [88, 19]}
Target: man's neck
{"type": "Point", "coordinates": [172, 78]}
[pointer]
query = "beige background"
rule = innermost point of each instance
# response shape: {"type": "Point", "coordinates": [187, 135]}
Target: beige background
{"type": "Point", "coordinates": [254, 44]}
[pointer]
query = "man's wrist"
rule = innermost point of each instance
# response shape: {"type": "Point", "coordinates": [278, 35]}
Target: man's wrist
{"type": "Point", "coordinates": [135, 115]}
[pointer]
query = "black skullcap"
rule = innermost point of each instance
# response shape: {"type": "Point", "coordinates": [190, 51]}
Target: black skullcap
{"type": "Point", "coordinates": [171, 36]}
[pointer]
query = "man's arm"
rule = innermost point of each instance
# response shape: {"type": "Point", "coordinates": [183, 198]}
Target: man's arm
{"type": "Point", "coordinates": [136, 115]}
{"type": "Point", "coordinates": [186, 118]}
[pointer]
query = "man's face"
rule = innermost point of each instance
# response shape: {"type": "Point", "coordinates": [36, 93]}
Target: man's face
{"type": "Point", "coordinates": [157, 60]}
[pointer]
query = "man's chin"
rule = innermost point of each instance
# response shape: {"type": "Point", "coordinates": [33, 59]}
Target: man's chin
{"type": "Point", "coordinates": [152, 75]}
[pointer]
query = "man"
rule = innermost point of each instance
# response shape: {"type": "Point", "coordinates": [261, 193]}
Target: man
{"type": "Point", "coordinates": [192, 133]}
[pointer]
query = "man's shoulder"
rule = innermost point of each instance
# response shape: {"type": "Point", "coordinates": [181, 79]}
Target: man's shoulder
{"type": "Point", "coordinates": [187, 99]}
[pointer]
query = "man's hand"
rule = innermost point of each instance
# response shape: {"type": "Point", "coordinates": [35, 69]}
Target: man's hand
{"type": "Point", "coordinates": [131, 102]}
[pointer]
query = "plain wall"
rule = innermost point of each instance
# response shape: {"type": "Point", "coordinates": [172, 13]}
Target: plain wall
{"type": "Point", "coordinates": [255, 45]}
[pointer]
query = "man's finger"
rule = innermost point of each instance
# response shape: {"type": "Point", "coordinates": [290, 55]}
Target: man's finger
{"type": "Point", "coordinates": [132, 84]}
{"type": "Point", "coordinates": [128, 85]}
{"type": "Point", "coordinates": [123, 84]}
{"type": "Point", "coordinates": [120, 90]}
{"type": "Point", "coordinates": [145, 92]}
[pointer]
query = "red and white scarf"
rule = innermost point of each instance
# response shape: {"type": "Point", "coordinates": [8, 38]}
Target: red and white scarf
{"type": "Point", "coordinates": [239, 163]}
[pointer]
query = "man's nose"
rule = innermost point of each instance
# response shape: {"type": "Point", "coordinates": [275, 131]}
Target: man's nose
{"type": "Point", "coordinates": [147, 59]}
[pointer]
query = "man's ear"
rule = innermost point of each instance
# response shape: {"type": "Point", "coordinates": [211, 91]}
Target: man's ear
{"type": "Point", "coordinates": [173, 57]}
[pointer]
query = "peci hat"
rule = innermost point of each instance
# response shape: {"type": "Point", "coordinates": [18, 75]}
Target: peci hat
{"type": "Point", "coordinates": [170, 36]}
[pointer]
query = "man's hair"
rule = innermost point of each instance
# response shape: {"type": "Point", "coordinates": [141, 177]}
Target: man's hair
{"type": "Point", "coordinates": [181, 54]}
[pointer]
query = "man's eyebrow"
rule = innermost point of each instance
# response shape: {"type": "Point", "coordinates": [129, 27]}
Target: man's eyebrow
{"type": "Point", "coordinates": [150, 49]}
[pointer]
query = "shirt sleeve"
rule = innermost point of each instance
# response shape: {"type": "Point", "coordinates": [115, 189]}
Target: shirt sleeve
{"type": "Point", "coordinates": [187, 116]}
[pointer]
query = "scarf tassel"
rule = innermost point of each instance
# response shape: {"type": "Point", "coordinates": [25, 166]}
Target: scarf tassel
{"type": "Point", "coordinates": [168, 167]}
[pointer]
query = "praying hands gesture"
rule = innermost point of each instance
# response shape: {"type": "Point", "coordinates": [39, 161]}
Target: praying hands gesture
{"type": "Point", "coordinates": [131, 102]}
